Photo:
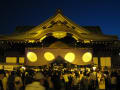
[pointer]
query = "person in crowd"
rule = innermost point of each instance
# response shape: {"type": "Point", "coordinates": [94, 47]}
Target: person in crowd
{"type": "Point", "coordinates": [93, 78]}
{"type": "Point", "coordinates": [107, 80]}
{"type": "Point", "coordinates": [3, 80]}
{"type": "Point", "coordinates": [85, 81]}
{"type": "Point", "coordinates": [59, 80]}
{"type": "Point", "coordinates": [118, 80]}
{"type": "Point", "coordinates": [113, 81]}
{"type": "Point", "coordinates": [38, 83]}
{"type": "Point", "coordinates": [48, 83]}
{"type": "Point", "coordinates": [28, 78]}
{"type": "Point", "coordinates": [101, 83]}
{"type": "Point", "coordinates": [62, 83]}
{"type": "Point", "coordinates": [76, 81]}
{"type": "Point", "coordinates": [10, 82]}
{"type": "Point", "coordinates": [18, 82]}
{"type": "Point", "coordinates": [56, 81]}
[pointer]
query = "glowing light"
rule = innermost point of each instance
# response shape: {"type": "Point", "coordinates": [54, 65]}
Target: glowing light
{"type": "Point", "coordinates": [49, 56]}
{"type": "Point", "coordinates": [23, 68]}
{"type": "Point", "coordinates": [59, 35]}
{"type": "Point", "coordinates": [31, 41]}
{"type": "Point", "coordinates": [32, 56]}
{"type": "Point", "coordinates": [76, 38]}
{"type": "Point", "coordinates": [86, 41]}
{"type": "Point", "coordinates": [70, 57]}
{"type": "Point", "coordinates": [119, 53]}
{"type": "Point", "coordinates": [94, 68]}
{"type": "Point", "coordinates": [43, 38]}
{"type": "Point", "coordinates": [87, 57]}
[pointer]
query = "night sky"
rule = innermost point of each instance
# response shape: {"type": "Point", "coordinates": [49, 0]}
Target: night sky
{"type": "Point", "coordinates": [103, 13]}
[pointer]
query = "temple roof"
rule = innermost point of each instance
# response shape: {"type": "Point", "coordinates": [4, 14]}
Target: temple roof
{"type": "Point", "coordinates": [92, 29]}
{"type": "Point", "coordinates": [58, 23]}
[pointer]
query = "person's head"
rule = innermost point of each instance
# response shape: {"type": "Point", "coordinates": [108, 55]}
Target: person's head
{"type": "Point", "coordinates": [39, 77]}
{"type": "Point", "coordinates": [2, 74]}
{"type": "Point", "coordinates": [17, 81]}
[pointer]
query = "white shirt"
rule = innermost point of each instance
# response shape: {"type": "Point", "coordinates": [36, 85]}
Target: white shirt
{"type": "Point", "coordinates": [34, 86]}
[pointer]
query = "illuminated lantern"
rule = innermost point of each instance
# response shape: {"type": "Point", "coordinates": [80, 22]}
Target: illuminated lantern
{"type": "Point", "coordinates": [87, 57]}
{"type": "Point", "coordinates": [70, 57]}
{"type": "Point", "coordinates": [32, 57]}
{"type": "Point", "coordinates": [49, 56]}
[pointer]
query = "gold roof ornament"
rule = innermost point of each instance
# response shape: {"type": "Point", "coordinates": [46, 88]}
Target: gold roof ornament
{"type": "Point", "coordinates": [59, 11]}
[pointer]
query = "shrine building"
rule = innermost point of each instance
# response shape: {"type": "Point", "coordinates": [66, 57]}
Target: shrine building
{"type": "Point", "coordinates": [59, 37]}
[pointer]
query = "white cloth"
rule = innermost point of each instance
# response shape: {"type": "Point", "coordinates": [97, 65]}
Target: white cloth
{"type": "Point", "coordinates": [34, 86]}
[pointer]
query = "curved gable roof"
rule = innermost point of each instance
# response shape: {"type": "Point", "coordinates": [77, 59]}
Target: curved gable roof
{"type": "Point", "coordinates": [58, 22]}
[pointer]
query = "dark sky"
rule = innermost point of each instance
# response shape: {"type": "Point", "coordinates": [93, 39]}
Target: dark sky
{"type": "Point", "coordinates": [103, 13]}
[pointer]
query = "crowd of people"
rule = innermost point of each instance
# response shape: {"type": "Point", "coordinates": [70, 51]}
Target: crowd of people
{"type": "Point", "coordinates": [59, 80]}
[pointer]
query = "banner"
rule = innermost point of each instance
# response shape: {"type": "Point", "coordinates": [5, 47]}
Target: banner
{"type": "Point", "coordinates": [8, 67]}
{"type": "Point", "coordinates": [95, 61]}
{"type": "Point", "coordinates": [1, 66]}
{"type": "Point", "coordinates": [11, 59]}
{"type": "Point", "coordinates": [21, 60]}
{"type": "Point", "coordinates": [44, 56]}
{"type": "Point", "coordinates": [105, 61]}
